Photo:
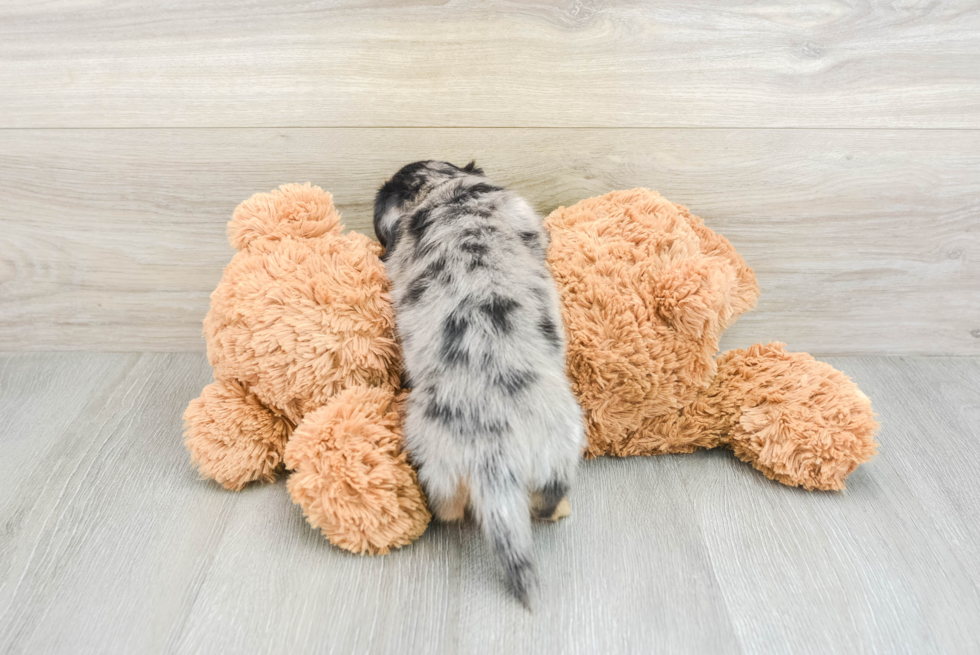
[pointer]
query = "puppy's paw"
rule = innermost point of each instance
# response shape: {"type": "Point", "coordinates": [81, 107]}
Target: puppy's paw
{"type": "Point", "coordinates": [541, 510]}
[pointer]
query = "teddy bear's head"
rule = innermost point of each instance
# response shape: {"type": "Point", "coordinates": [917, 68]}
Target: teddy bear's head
{"type": "Point", "coordinates": [300, 211]}
{"type": "Point", "coordinates": [302, 311]}
{"type": "Point", "coordinates": [646, 292]}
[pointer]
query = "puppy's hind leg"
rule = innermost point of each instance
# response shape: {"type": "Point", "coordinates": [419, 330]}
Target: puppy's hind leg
{"type": "Point", "coordinates": [447, 493]}
{"type": "Point", "coordinates": [451, 506]}
{"type": "Point", "coordinates": [550, 502]}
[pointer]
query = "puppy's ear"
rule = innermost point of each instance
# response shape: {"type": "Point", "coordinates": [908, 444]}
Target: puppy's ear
{"type": "Point", "coordinates": [386, 225]}
{"type": "Point", "coordinates": [472, 169]}
{"type": "Point", "coordinates": [390, 240]}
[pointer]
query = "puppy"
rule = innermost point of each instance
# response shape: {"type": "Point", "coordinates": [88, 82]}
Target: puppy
{"type": "Point", "coordinates": [491, 423]}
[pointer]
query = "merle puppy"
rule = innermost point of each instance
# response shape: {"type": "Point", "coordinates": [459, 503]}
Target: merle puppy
{"type": "Point", "coordinates": [491, 423]}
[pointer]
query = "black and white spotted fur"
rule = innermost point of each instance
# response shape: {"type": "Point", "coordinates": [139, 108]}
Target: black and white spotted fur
{"type": "Point", "coordinates": [491, 412]}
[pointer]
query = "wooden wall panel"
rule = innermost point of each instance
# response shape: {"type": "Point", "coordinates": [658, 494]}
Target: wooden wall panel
{"type": "Point", "coordinates": [863, 241]}
{"type": "Point", "coordinates": [565, 63]}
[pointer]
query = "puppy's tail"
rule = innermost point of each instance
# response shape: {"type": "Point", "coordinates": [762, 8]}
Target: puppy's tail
{"type": "Point", "coordinates": [501, 504]}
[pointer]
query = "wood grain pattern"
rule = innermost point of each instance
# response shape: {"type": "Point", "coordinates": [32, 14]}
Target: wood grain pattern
{"type": "Point", "coordinates": [825, 63]}
{"type": "Point", "coordinates": [862, 241]}
{"type": "Point", "coordinates": [96, 520]}
{"type": "Point", "coordinates": [109, 543]}
{"type": "Point", "coordinates": [850, 566]}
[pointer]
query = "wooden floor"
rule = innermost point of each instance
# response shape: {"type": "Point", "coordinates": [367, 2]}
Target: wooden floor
{"type": "Point", "coordinates": [109, 543]}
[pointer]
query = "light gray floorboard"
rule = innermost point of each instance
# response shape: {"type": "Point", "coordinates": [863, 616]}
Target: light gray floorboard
{"type": "Point", "coordinates": [109, 542]}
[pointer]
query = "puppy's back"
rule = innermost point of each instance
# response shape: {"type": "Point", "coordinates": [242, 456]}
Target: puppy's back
{"type": "Point", "coordinates": [491, 412]}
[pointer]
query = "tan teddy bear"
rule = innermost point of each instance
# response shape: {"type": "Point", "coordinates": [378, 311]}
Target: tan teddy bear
{"type": "Point", "coordinates": [306, 365]}
{"type": "Point", "coordinates": [301, 337]}
{"type": "Point", "coordinates": [647, 291]}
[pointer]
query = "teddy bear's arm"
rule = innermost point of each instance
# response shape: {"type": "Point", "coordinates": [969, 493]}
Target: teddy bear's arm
{"type": "Point", "coordinates": [232, 437]}
{"type": "Point", "coordinates": [797, 420]}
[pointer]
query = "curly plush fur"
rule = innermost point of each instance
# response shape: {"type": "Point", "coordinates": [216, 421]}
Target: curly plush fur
{"type": "Point", "coordinates": [301, 337]}
{"type": "Point", "coordinates": [647, 291]}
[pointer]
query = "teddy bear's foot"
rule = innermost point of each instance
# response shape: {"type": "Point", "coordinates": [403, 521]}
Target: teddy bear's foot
{"type": "Point", "coordinates": [232, 437]}
{"type": "Point", "coordinates": [351, 476]}
{"type": "Point", "coordinates": [795, 419]}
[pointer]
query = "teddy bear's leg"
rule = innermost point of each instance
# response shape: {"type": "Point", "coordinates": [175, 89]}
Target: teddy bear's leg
{"type": "Point", "coordinates": [351, 476]}
{"type": "Point", "coordinates": [797, 420]}
{"type": "Point", "coordinates": [232, 437]}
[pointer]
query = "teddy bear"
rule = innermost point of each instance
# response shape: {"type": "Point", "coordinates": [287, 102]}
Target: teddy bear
{"type": "Point", "coordinates": [646, 292]}
{"type": "Point", "coordinates": [301, 336]}
{"type": "Point", "coordinates": [300, 333]}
